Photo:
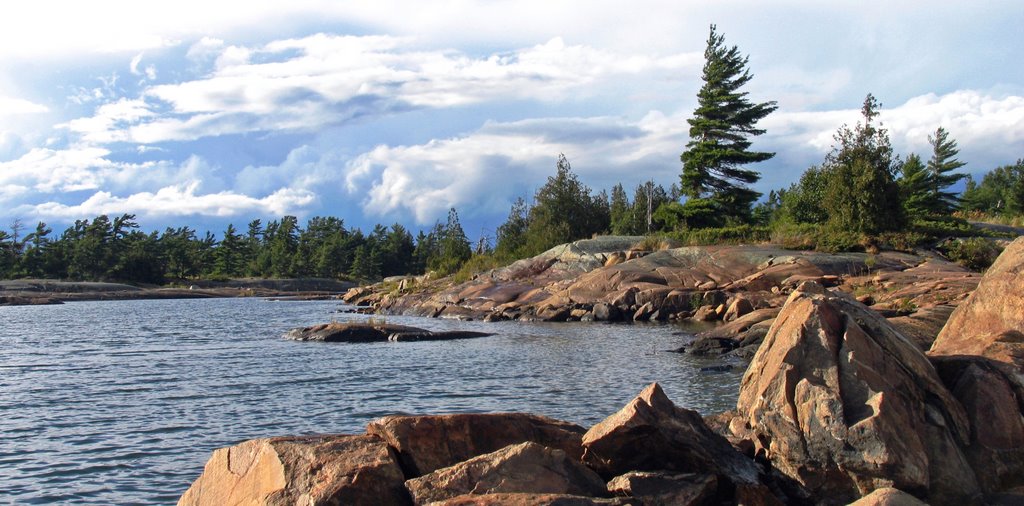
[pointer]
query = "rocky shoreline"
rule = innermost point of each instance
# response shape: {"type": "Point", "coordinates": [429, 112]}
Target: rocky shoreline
{"type": "Point", "coordinates": [838, 405]}
{"type": "Point", "coordinates": [46, 291]}
{"type": "Point", "coordinates": [742, 287]}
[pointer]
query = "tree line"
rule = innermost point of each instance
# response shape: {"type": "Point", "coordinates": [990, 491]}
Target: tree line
{"type": "Point", "coordinates": [115, 249]}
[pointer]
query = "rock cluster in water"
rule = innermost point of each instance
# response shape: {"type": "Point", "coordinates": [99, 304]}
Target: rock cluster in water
{"type": "Point", "coordinates": [837, 406]}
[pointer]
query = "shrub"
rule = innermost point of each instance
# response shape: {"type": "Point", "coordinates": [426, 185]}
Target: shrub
{"type": "Point", "coordinates": [726, 235]}
{"type": "Point", "coordinates": [975, 253]}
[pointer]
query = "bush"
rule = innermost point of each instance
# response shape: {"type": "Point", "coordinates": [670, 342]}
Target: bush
{"type": "Point", "coordinates": [975, 253]}
{"type": "Point", "coordinates": [475, 265]}
{"type": "Point", "coordinates": [726, 235]}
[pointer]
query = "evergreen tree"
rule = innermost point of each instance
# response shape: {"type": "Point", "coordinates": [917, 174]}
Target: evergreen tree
{"type": "Point", "coordinates": [34, 260]}
{"type": "Point", "coordinates": [230, 255]}
{"type": "Point", "coordinates": [512, 233]}
{"type": "Point", "coordinates": [941, 169]}
{"type": "Point", "coordinates": [564, 211]}
{"type": "Point", "coordinates": [453, 247]}
{"type": "Point", "coordinates": [621, 211]}
{"type": "Point", "coordinates": [861, 194]}
{"type": "Point", "coordinates": [720, 133]}
{"type": "Point", "coordinates": [1001, 191]}
{"type": "Point", "coordinates": [916, 188]}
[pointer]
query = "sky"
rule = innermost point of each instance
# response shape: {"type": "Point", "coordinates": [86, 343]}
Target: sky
{"type": "Point", "coordinates": [208, 113]}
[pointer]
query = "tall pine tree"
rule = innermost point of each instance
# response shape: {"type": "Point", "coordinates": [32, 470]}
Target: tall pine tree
{"type": "Point", "coordinates": [941, 169]}
{"type": "Point", "coordinates": [720, 133]}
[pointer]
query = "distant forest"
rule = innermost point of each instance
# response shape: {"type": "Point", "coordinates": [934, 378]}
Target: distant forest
{"type": "Point", "coordinates": [862, 196]}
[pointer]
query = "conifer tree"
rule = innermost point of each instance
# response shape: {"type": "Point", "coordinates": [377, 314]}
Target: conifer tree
{"type": "Point", "coordinates": [941, 169]}
{"type": "Point", "coordinates": [915, 188]}
{"type": "Point", "coordinates": [720, 133]}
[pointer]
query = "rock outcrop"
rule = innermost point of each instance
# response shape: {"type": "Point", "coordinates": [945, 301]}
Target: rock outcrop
{"type": "Point", "coordinates": [523, 468]}
{"type": "Point", "coordinates": [665, 489]}
{"type": "Point", "coordinates": [990, 323]}
{"type": "Point", "coordinates": [843, 403]}
{"type": "Point", "coordinates": [359, 470]}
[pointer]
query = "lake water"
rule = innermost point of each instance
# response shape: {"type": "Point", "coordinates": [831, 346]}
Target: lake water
{"type": "Point", "coordinates": [122, 402]}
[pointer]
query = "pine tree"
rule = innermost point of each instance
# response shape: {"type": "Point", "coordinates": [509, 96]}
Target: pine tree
{"type": "Point", "coordinates": [940, 169]}
{"type": "Point", "coordinates": [915, 188]}
{"type": "Point", "coordinates": [720, 133]}
{"type": "Point", "coordinates": [512, 233]}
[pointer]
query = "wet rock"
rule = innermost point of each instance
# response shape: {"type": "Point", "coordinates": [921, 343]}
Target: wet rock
{"type": "Point", "coordinates": [436, 336]}
{"type": "Point", "coordinates": [711, 346]}
{"type": "Point", "coordinates": [663, 489]}
{"type": "Point", "coordinates": [522, 468]}
{"type": "Point", "coordinates": [653, 434]}
{"type": "Point", "coordinates": [349, 332]}
{"type": "Point", "coordinates": [605, 312]}
{"type": "Point", "coordinates": [322, 470]}
{"type": "Point", "coordinates": [841, 402]}
{"type": "Point", "coordinates": [428, 443]}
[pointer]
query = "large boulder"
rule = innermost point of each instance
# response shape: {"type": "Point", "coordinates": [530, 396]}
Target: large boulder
{"type": "Point", "coordinates": [653, 434]}
{"type": "Point", "coordinates": [521, 468]}
{"type": "Point", "coordinates": [840, 401]}
{"type": "Point", "coordinates": [994, 402]}
{"type": "Point", "coordinates": [322, 470]}
{"type": "Point", "coordinates": [980, 355]}
{"type": "Point", "coordinates": [428, 443]}
{"type": "Point", "coordinates": [990, 322]}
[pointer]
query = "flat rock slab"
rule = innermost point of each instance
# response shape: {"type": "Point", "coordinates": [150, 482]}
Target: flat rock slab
{"type": "Point", "coordinates": [374, 332]}
{"type": "Point", "coordinates": [522, 468]}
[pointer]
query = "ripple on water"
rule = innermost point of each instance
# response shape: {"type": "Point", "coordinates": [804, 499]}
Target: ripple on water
{"type": "Point", "coordinates": [122, 402]}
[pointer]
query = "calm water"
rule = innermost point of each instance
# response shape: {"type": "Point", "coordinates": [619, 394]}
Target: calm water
{"type": "Point", "coordinates": [122, 402]}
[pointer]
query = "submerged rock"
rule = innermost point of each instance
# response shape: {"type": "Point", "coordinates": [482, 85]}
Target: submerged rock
{"type": "Point", "coordinates": [374, 332]}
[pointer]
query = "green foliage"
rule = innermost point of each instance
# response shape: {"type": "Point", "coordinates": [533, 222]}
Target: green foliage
{"type": "Point", "coordinates": [512, 234]}
{"type": "Point", "coordinates": [804, 201]}
{"type": "Point", "coordinates": [916, 187]}
{"type": "Point", "coordinates": [1001, 191]}
{"type": "Point", "coordinates": [861, 195]}
{"type": "Point", "coordinates": [720, 133]}
{"type": "Point", "coordinates": [564, 210]}
{"type": "Point", "coordinates": [975, 253]}
{"type": "Point", "coordinates": [452, 246]}
{"type": "Point", "coordinates": [477, 264]}
{"type": "Point", "coordinates": [741, 234]}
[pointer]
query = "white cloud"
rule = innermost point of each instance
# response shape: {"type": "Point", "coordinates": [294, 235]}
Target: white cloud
{"type": "Point", "coordinates": [10, 106]}
{"type": "Point", "coordinates": [307, 83]}
{"type": "Point", "coordinates": [989, 128]}
{"type": "Point", "coordinates": [179, 200]}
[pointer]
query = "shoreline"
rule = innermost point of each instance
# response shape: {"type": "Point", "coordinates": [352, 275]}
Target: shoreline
{"type": "Point", "coordinates": [23, 292]}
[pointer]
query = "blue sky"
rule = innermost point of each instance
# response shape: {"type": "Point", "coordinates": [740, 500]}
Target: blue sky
{"type": "Point", "coordinates": [208, 113]}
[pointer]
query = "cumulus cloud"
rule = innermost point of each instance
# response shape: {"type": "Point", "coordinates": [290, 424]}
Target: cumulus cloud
{"type": "Point", "coordinates": [179, 200]}
{"type": "Point", "coordinates": [307, 83]}
{"type": "Point", "coordinates": [484, 171]}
